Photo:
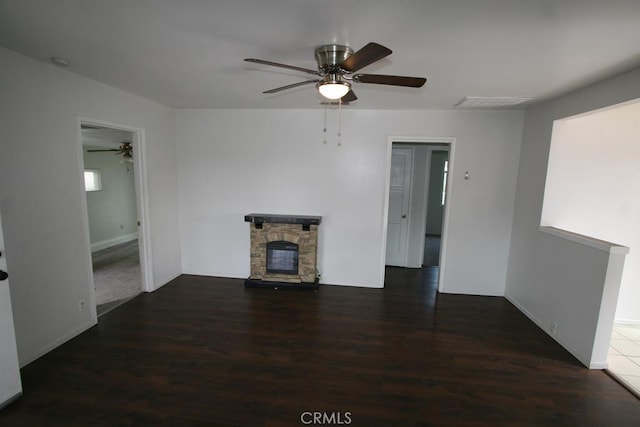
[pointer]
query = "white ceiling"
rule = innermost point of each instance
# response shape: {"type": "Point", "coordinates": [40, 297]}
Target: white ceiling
{"type": "Point", "coordinates": [189, 53]}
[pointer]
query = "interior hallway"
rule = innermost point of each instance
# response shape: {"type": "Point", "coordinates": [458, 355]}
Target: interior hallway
{"type": "Point", "coordinates": [431, 251]}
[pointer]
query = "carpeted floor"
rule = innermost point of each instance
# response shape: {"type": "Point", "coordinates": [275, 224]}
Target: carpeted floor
{"type": "Point", "coordinates": [116, 273]}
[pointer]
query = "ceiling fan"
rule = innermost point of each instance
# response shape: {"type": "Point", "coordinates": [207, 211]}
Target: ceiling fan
{"type": "Point", "coordinates": [125, 150]}
{"type": "Point", "coordinates": [336, 67]}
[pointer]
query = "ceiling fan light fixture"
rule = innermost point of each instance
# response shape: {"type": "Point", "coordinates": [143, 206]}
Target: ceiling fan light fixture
{"type": "Point", "coordinates": [332, 87]}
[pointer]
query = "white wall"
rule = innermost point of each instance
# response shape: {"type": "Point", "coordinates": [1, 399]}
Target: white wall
{"type": "Point", "coordinates": [592, 187]}
{"type": "Point", "coordinates": [41, 193]}
{"type": "Point", "coordinates": [234, 162]}
{"type": "Point", "coordinates": [112, 210]}
{"type": "Point", "coordinates": [571, 299]}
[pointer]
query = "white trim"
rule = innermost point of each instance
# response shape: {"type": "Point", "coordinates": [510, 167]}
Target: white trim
{"type": "Point", "coordinates": [599, 365]}
{"type": "Point", "coordinates": [87, 239]}
{"type": "Point", "coordinates": [450, 141]}
{"type": "Point", "coordinates": [104, 244]}
{"type": "Point", "coordinates": [385, 212]}
{"type": "Point", "coordinates": [10, 400]}
{"type": "Point", "coordinates": [166, 281]}
{"type": "Point", "coordinates": [630, 322]}
{"type": "Point", "coordinates": [142, 204]}
{"type": "Point", "coordinates": [607, 311]}
{"type": "Point", "coordinates": [601, 245]}
{"type": "Point", "coordinates": [447, 214]}
{"type": "Point", "coordinates": [471, 291]}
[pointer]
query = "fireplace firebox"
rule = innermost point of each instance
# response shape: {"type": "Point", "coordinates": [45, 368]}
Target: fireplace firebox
{"type": "Point", "coordinates": [282, 257]}
{"type": "Point", "coordinates": [283, 251]}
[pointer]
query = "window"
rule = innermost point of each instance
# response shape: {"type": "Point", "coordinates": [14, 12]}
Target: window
{"type": "Point", "coordinates": [444, 181]}
{"type": "Point", "coordinates": [92, 180]}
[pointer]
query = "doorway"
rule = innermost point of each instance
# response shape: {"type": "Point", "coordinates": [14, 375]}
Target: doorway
{"type": "Point", "coordinates": [417, 193]}
{"type": "Point", "coordinates": [438, 173]}
{"type": "Point", "coordinates": [113, 196]}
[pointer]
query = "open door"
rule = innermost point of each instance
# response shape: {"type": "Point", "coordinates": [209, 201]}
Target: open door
{"type": "Point", "coordinates": [399, 199]}
{"type": "Point", "coordinates": [10, 383]}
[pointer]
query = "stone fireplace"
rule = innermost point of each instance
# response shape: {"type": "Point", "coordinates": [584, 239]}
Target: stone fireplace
{"type": "Point", "coordinates": [283, 251]}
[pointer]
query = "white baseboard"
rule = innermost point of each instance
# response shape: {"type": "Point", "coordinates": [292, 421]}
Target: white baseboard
{"type": "Point", "coordinates": [629, 322]}
{"type": "Point", "coordinates": [46, 349]}
{"type": "Point", "coordinates": [10, 400]}
{"type": "Point", "coordinates": [474, 292]}
{"type": "Point", "coordinates": [163, 282]}
{"type": "Point", "coordinates": [98, 246]}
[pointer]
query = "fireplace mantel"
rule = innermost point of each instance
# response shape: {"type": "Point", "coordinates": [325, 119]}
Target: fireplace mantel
{"type": "Point", "coordinates": [304, 220]}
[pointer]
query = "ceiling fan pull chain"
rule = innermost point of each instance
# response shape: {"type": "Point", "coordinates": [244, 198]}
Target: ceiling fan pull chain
{"type": "Point", "coordinates": [324, 130]}
{"type": "Point", "coordinates": [339, 121]}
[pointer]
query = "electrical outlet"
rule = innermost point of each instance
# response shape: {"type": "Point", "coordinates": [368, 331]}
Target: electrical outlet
{"type": "Point", "coordinates": [554, 327]}
{"type": "Point", "coordinates": [82, 305]}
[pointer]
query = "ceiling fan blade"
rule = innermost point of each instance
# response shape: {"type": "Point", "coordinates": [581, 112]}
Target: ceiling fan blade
{"type": "Point", "coordinates": [350, 96]}
{"type": "Point", "coordinates": [290, 67]}
{"type": "Point", "coordinates": [383, 79]}
{"type": "Point", "coordinates": [291, 86]}
{"type": "Point", "coordinates": [97, 151]}
{"type": "Point", "coordinates": [369, 54]}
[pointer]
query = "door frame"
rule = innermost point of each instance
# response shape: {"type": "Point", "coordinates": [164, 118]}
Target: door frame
{"type": "Point", "coordinates": [446, 140]}
{"type": "Point", "coordinates": [142, 203]}
{"type": "Point", "coordinates": [10, 379]}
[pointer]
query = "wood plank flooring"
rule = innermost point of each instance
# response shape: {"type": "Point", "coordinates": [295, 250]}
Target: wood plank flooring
{"type": "Point", "coordinates": [206, 351]}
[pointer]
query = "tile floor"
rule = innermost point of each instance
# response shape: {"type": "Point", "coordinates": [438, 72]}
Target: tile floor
{"type": "Point", "coordinates": [624, 355]}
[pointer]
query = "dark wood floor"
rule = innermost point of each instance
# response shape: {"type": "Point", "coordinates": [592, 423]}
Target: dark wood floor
{"type": "Point", "coordinates": [208, 352]}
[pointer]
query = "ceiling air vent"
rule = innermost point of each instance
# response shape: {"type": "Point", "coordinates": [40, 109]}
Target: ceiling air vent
{"type": "Point", "coordinates": [490, 102]}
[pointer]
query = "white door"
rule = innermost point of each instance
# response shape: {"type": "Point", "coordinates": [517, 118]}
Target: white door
{"type": "Point", "coordinates": [399, 197]}
{"type": "Point", "coordinates": [10, 384]}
